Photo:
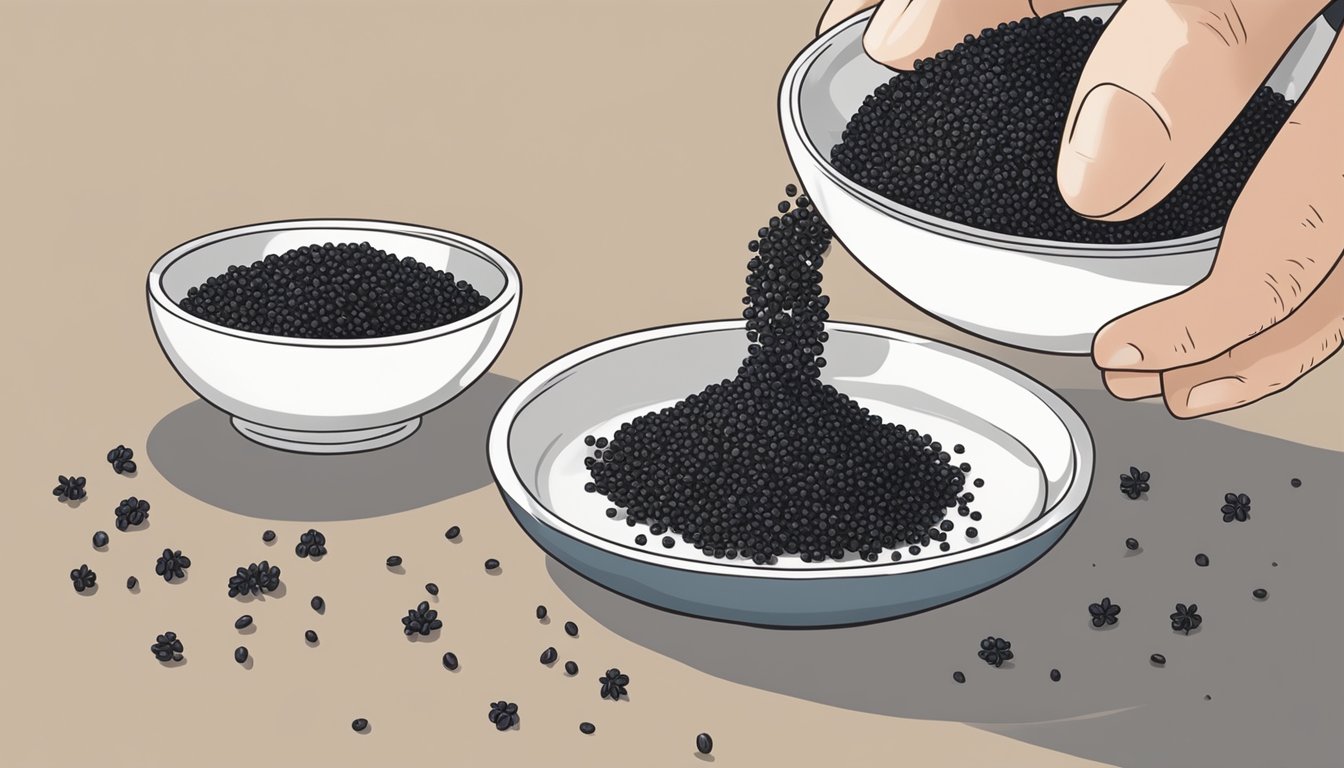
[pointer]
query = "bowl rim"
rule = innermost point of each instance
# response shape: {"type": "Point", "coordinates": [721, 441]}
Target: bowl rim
{"type": "Point", "coordinates": [507, 295]}
{"type": "Point", "coordinates": [513, 489]}
{"type": "Point", "coordinates": [791, 123]}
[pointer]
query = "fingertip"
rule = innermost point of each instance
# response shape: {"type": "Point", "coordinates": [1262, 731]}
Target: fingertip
{"type": "Point", "coordinates": [1112, 348]}
{"type": "Point", "coordinates": [1132, 385]}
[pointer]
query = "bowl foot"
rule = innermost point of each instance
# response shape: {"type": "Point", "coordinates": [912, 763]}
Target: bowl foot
{"type": "Point", "coordinates": [353, 441]}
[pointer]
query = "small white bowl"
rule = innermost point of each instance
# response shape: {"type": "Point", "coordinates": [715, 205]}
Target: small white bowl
{"type": "Point", "coordinates": [330, 395]}
{"type": "Point", "coordinates": [1030, 446]}
{"type": "Point", "coordinates": [1035, 294]}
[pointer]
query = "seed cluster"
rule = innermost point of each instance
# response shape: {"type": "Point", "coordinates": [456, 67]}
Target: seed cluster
{"type": "Point", "coordinates": [172, 564]}
{"type": "Point", "coordinates": [69, 488]}
{"type": "Point", "coordinates": [122, 460]}
{"type": "Point", "coordinates": [131, 512]}
{"type": "Point", "coordinates": [972, 136]}
{"type": "Point", "coordinates": [343, 291]}
{"type": "Point", "coordinates": [167, 647]}
{"type": "Point", "coordinates": [775, 462]}
{"type": "Point", "coordinates": [255, 579]}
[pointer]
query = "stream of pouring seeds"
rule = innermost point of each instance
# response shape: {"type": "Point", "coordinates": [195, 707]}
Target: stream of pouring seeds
{"type": "Point", "coordinates": [773, 461]}
{"type": "Point", "coordinates": [972, 135]}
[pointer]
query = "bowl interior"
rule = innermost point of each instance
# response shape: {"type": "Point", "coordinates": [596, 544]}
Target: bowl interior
{"type": "Point", "coordinates": [1020, 438]}
{"type": "Point", "coordinates": [215, 254]}
{"type": "Point", "coordinates": [833, 76]}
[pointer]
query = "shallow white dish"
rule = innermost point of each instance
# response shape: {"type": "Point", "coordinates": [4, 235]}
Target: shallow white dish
{"type": "Point", "coordinates": [331, 395]}
{"type": "Point", "coordinates": [1035, 294]}
{"type": "Point", "coordinates": [1032, 448]}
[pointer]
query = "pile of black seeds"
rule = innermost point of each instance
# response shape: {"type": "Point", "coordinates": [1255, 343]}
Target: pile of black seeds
{"type": "Point", "coordinates": [343, 291]}
{"type": "Point", "coordinates": [775, 462]}
{"type": "Point", "coordinates": [972, 136]}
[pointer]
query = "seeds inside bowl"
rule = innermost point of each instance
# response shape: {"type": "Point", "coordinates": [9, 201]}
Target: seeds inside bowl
{"type": "Point", "coordinates": [972, 136]}
{"type": "Point", "coordinates": [775, 462]}
{"type": "Point", "coordinates": [343, 291]}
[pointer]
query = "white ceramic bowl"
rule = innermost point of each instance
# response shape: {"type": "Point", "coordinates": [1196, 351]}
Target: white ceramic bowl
{"type": "Point", "coordinates": [331, 395]}
{"type": "Point", "coordinates": [1035, 294]}
{"type": "Point", "coordinates": [1029, 445]}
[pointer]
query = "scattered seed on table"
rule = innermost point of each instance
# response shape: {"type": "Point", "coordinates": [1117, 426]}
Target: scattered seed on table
{"type": "Point", "coordinates": [1297, 482]}
{"type": "Point", "coordinates": [450, 660]}
{"type": "Point", "coordinates": [1186, 618]}
{"type": "Point", "coordinates": [310, 636]}
{"type": "Point", "coordinates": [959, 676]}
{"type": "Point", "coordinates": [172, 564]}
{"type": "Point", "coordinates": [1134, 484]}
{"type": "Point", "coordinates": [504, 715]}
{"type": "Point", "coordinates": [311, 544]}
{"type": "Point", "coordinates": [587, 727]}
{"type": "Point", "coordinates": [1158, 659]}
{"type": "Point", "coordinates": [491, 564]}
{"type": "Point", "coordinates": [132, 582]}
{"type": "Point", "coordinates": [549, 655]}
{"type": "Point", "coordinates": [1236, 506]}
{"type": "Point", "coordinates": [359, 724]}
{"type": "Point", "coordinates": [614, 684]}
{"type": "Point", "coordinates": [318, 603]}
{"type": "Point", "coordinates": [571, 629]}
{"type": "Point", "coordinates": [1201, 560]}
{"type": "Point", "coordinates": [167, 647]}
{"type": "Point", "coordinates": [452, 533]}
{"type": "Point", "coordinates": [571, 668]}
{"type": "Point", "coordinates": [131, 512]}
{"type": "Point", "coordinates": [121, 459]}
{"type": "Point", "coordinates": [994, 651]}
{"type": "Point", "coordinates": [393, 561]}
{"type": "Point", "coordinates": [100, 539]}
{"type": "Point", "coordinates": [69, 488]}
{"type": "Point", "coordinates": [1131, 544]}
{"type": "Point", "coordinates": [255, 579]}
{"type": "Point", "coordinates": [704, 743]}
{"type": "Point", "coordinates": [1054, 675]}
{"type": "Point", "coordinates": [243, 622]}
{"type": "Point", "coordinates": [83, 578]}
{"type": "Point", "coordinates": [1104, 613]}
{"type": "Point", "coordinates": [541, 612]}
{"type": "Point", "coordinates": [421, 619]}
{"type": "Point", "coordinates": [1260, 594]}
{"type": "Point", "coordinates": [432, 588]}
{"type": "Point", "coordinates": [240, 654]}
{"type": "Point", "coordinates": [268, 536]}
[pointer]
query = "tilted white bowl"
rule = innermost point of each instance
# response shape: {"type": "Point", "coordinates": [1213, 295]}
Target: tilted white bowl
{"type": "Point", "coordinates": [1035, 294]}
{"type": "Point", "coordinates": [331, 395]}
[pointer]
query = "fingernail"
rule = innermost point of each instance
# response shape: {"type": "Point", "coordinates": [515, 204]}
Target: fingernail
{"type": "Point", "coordinates": [1216, 395]}
{"type": "Point", "coordinates": [1121, 357]}
{"type": "Point", "coordinates": [1114, 148]}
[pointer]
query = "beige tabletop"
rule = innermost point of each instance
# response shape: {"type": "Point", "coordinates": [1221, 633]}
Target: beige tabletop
{"type": "Point", "coordinates": [621, 152]}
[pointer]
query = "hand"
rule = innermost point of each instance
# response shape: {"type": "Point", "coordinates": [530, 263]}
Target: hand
{"type": "Point", "coordinates": [1164, 82]}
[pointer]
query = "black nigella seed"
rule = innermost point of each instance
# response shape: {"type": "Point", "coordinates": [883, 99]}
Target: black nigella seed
{"type": "Point", "coordinates": [1236, 506]}
{"type": "Point", "coordinates": [504, 715]}
{"type": "Point", "coordinates": [491, 564]}
{"type": "Point", "coordinates": [790, 190]}
{"type": "Point", "coordinates": [318, 603]}
{"type": "Point", "coordinates": [979, 482]}
{"type": "Point", "coordinates": [131, 512]}
{"type": "Point", "coordinates": [762, 494]}
{"type": "Point", "coordinates": [341, 291]}
{"type": "Point", "coordinates": [450, 661]}
{"type": "Point", "coordinates": [310, 636]}
{"type": "Point", "coordinates": [549, 655]}
{"type": "Point", "coordinates": [1134, 484]}
{"type": "Point", "coordinates": [1005, 94]}
{"type": "Point", "coordinates": [69, 488]}
{"type": "Point", "coordinates": [1296, 482]}
{"type": "Point", "coordinates": [972, 532]}
{"type": "Point", "coordinates": [1201, 560]}
{"type": "Point", "coordinates": [132, 582]}
{"type": "Point", "coordinates": [100, 539]}
{"type": "Point", "coordinates": [1186, 618]}
{"type": "Point", "coordinates": [1104, 613]}
{"type": "Point", "coordinates": [571, 629]}
{"type": "Point", "coordinates": [587, 727]}
{"type": "Point", "coordinates": [1131, 544]}
{"type": "Point", "coordinates": [432, 588]}
{"type": "Point", "coordinates": [83, 578]}
{"type": "Point", "coordinates": [668, 542]}
{"type": "Point", "coordinates": [311, 544]}
{"type": "Point", "coordinates": [944, 546]}
{"type": "Point", "coordinates": [121, 459]}
{"type": "Point", "coordinates": [240, 654]}
{"type": "Point", "coordinates": [359, 724]}
{"type": "Point", "coordinates": [452, 533]}
{"type": "Point", "coordinates": [1260, 594]}
{"type": "Point", "coordinates": [243, 622]}
{"type": "Point", "coordinates": [172, 564]}
{"type": "Point", "coordinates": [255, 579]}
{"type": "Point", "coordinates": [393, 561]}
{"type": "Point", "coordinates": [571, 668]}
{"type": "Point", "coordinates": [704, 743]}
{"type": "Point", "coordinates": [1158, 659]}
{"type": "Point", "coordinates": [959, 676]}
{"type": "Point", "coordinates": [167, 647]}
{"type": "Point", "coordinates": [994, 651]}
{"type": "Point", "coordinates": [421, 620]}
{"type": "Point", "coordinates": [611, 512]}
{"type": "Point", "coordinates": [268, 536]}
{"type": "Point", "coordinates": [1054, 675]}
{"type": "Point", "coordinates": [541, 612]}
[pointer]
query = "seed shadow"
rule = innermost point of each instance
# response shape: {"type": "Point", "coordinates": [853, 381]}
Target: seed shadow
{"type": "Point", "coordinates": [136, 589]}
{"type": "Point", "coordinates": [249, 629]}
{"type": "Point", "coordinates": [248, 663]}
{"type": "Point", "coordinates": [400, 570]}
{"type": "Point", "coordinates": [276, 594]}
{"type": "Point", "coordinates": [430, 638]}
{"type": "Point", "coordinates": [72, 503]}
{"type": "Point", "coordinates": [103, 548]}
{"type": "Point", "coordinates": [182, 662]}
{"type": "Point", "coordinates": [89, 591]}
{"type": "Point", "coordinates": [316, 641]}
{"type": "Point", "coordinates": [1121, 712]}
{"type": "Point", "coordinates": [702, 757]}
{"type": "Point", "coordinates": [197, 450]}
